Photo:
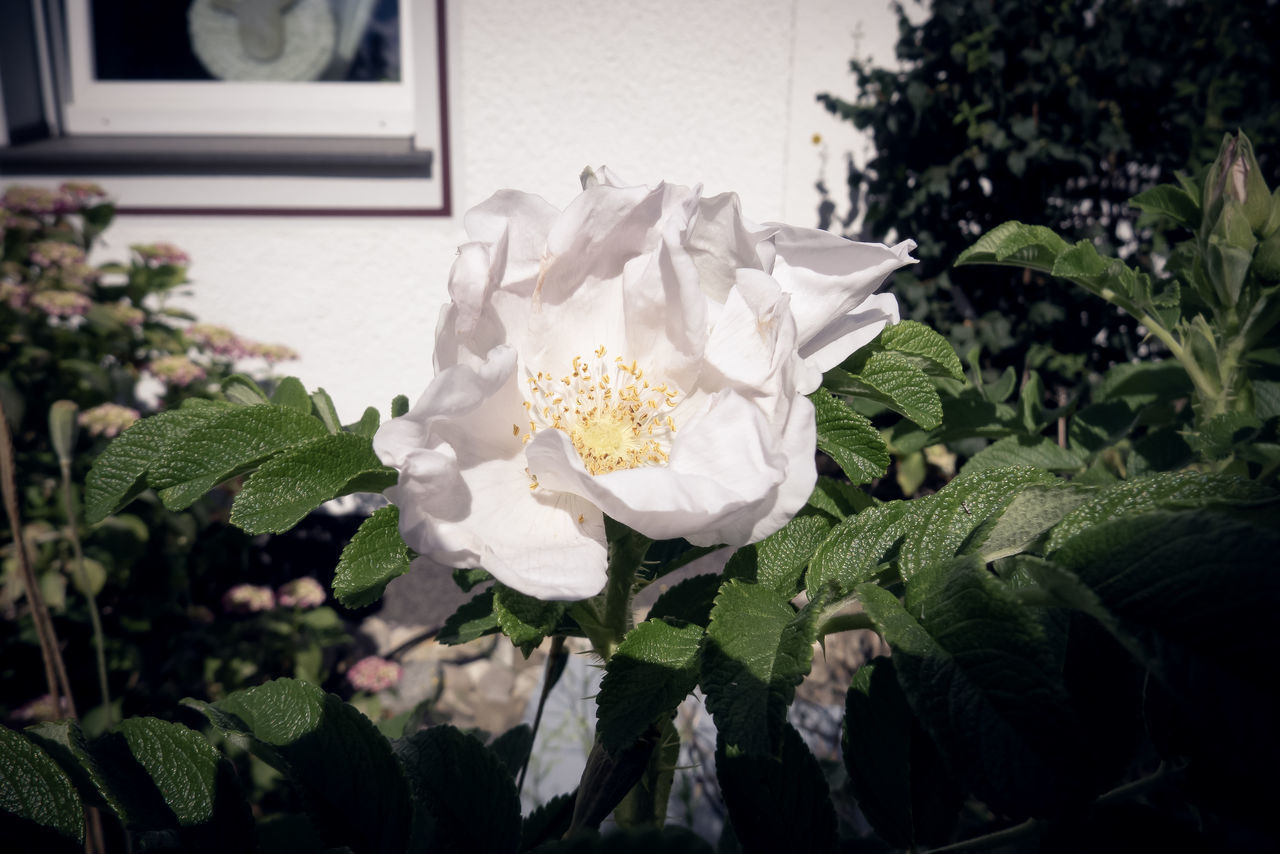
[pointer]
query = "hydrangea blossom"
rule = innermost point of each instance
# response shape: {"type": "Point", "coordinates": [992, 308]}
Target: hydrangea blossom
{"type": "Point", "coordinates": [108, 419]}
{"type": "Point", "coordinates": [302, 593]}
{"type": "Point", "coordinates": [55, 253]}
{"type": "Point", "coordinates": [61, 303]}
{"type": "Point", "coordinates": [643, 354]}
{"type": "Point", "coordinates": [160, 255]}
{"type": "Point", "coordinates": [248, 599]}
{"type": "Point", "coordinates": [178, 370]}
{"type": "Point", "coordinates": [373, 674]}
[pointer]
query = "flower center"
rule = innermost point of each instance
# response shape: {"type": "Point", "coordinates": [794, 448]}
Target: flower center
{"type": "Point", "coordinates": [614, 416]}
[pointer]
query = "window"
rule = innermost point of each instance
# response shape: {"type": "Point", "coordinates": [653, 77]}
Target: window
{"type": "Point", "coordinates": [342, 100]}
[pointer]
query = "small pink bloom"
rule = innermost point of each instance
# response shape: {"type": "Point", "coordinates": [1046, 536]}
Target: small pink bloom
{"type": "Point", "coordinates": [216, 339]}
{"type": "Point", "coordinates": [83, 192]}
{"type": "Point", "coordinates": [160, 255]}
{"type": "Point", "coordinates": [36, 200]}
{"type": "Point", "coordinates": [107, 419]}
{"type": "Point", "coordinates": [55, 253]}
{"type": "Point", "coordinates": [272, 353]}
{"type": "Point", "coordinates": [61, 303]}
{"type": "Point", "coordinates": [373, 674]}
{"type": "Point", "coordinates": [178, 370]}
{"type": "Point", "coordinates": [248, 599]}
{"type": "Point", "coordinates": [302, 593]}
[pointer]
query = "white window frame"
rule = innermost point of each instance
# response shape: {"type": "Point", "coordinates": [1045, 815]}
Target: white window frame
{"type": "Point", "coordinates": [209, 108]}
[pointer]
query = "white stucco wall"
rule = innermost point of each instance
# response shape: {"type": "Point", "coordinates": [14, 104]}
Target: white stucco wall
{"type": "Point", "coordinates": [713, 91]}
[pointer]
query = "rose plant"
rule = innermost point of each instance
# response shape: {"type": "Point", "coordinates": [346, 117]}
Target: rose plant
{"type": "Point", "coordinates": [1066, 650]}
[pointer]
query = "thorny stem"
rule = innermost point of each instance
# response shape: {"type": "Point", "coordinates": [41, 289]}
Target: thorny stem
{"type": "Point", "coordinates": [82, 580]}
{"type": "Point", "coordinates": [55, 670]}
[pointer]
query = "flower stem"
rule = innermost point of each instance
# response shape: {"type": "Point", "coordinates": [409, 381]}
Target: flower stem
{"type": "Point", "coordinates": [82, 581]}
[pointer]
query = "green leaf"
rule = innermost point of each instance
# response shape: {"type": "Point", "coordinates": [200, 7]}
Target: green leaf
{"type": "Point", "coordinates": [778, 561]}
{"type": "Point", "coordinates": [375, 555]}
{"type": "Point", "coordinates": [958, 509]}
{"type": "Point", "coordinates": [894, 767]}
{"type": "Point", "coordinates": [778, 802]}
{"type": "Point", "coordinates": [1016, 244]}
{"type": "Point", "coordinates": [1187, 574]}
{"type": "Point", "coordinates": [524, 619]}
{"type": "Point", "coordinates": [35, 789]}
{"type": "Point", "coordinates": [838, 498]}
{"type": "Point", "coordinates": [468, 579]}
{"type": "Point", "coordinates": [197, 784]}
{"type": "Point", "coordinates": [119, 473]}
{"type": "Point", "coordinates": [232, 442]}
{"type": "Point", "coordinates": [892, 380]}
{"type": "Point", "coordinates": [1028, 517]}
{"type": "Point", "coordinates": [1163, 490]}
{"type": "Point", "coordinates": [979, 672]}
{"type": "Point", "coordinates": [757, 650]}
{"type": "Point", "coordinates": [1038, 451]}
{"type": "Point", "coordinates": [242, 390]}
{"type": "Point", "coordinates": [352, 781]}
{"type": "Point", "coordinates": [325, 410]}
{"type": "Point", "coordinates": [666, 840]}
{"type": "Point", "coordinates": [691, 600]}
{"type": "Point", "coordinates": [473, 619]}
{"type": "Point", "coordinates": [911, 338]}
{"type": "Point", "coordinates": [653, 670]}
{"type": "Point", "coordinates": [548, 822]}
{"type": "Point", "coordinates": [291, 484]}
{"type": "Point", "coordinates": [464, 789]}
{"type": "Point", "coordinates": [65, 742]}
{"type": "Point", "coordinates": [292, 394]}
{"type": "Point", "coordinates": [368, 424]}
{"type": "Point", "coordinates": [399, 405]}
{"type": "Point", "coordinates": [512, 748]}
{"type": "Point", "coordinates": [849, 439]}
{"type": "Point", "coordinates": [645, 806]}
{"type": "Point", "coordinates": [1145, 382]}
{"type": "Point", "coordinates": [1170, 201]}
{"type": "Point", "coordinates": [855, 549]}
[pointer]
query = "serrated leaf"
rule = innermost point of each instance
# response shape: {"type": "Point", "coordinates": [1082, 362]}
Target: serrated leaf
{"type": "Point", "coordinates": [894, 767]}
{"type": "Point", "coordinates": [690, 600]}
{"type": "Point", "coordinates": [757, 650]}
{"type": "Point", "coordinates": [912, 338]}
{"type": "Point", "coordinates": [467, 792]}
{"type": "Point", "coordinates": [1015, 243]}
{"type": "Point", "coordinates": [652, 671]}
{"type": "Point", "coordinates": [958, 509]}
{"type": "Point", "coordinates": [1163, 490]}
{"type": "Point", "coordinates": [548, 822]}
{"type": "Point", "coordinates": [525, 620]}
{"type": "Point", "coordinates": [291, 484]}
{"type": "Point", "coordinates": [468, 579]}
{"type": "Point", "coordinates": [474, 619]}
{"type": "Point", "coordinates": [778, 802]}
{"type": "Point", "coordinates": [233, 442]}
{"type": "Point", "coordinates": [778, 561]}
{"type": "Point", "coordinates": [1038, 451]}
{"type": "Point", "coordinates": [119, 473]}
{"type": "Point", "coordinates": [375, 555]}
{"type": "Point", "coordinates": [65, 743]}
{"type": "Point", "coordinates": [353, 783]}
{"type": "Point", "coordinates": [1184, 574]}
{"type": "Point", "coordinates": [854, 550]}
{"type": "Point", "coordinates": [1169, 201]}
{"type": "Point", "coordinates": [292, 394]}
{"type": "Point", "coordinates": [838, 497]}
{"type": "Point", "coordinates": [35, 789]}
{"type": "Point", "coordinates": [242, 390]}
{"type": "Point", "coordinates": [892, 380]}
{"type": "Point", "coordinates": [1028, 517]}
{"type": "Point", "coordinates": [196, 783]}
{"type": "Point", "coordinates": [849, 439]}
{"type": "Point", "coordinates": [1146, 382]}
{"type": "Point", "coordinates": [512, 748]}
{"type": "Point", "coordinates": [979, 672]}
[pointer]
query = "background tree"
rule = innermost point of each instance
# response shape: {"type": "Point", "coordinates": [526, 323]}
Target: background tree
{"type": "Point", "coordinates": [1056, 114]}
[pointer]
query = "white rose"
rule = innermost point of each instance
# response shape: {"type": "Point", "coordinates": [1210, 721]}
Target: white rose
{"type": "Point", "coordinates": [643, 354]}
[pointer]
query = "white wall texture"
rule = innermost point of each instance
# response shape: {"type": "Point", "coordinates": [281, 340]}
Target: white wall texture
{"type": "Point", "coordinates": [713, 91]}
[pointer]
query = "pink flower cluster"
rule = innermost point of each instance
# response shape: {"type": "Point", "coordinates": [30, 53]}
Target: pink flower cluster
{"type": "Point", "coordinates": [37, 201]}
{"type": "Point", "coordinates": [373, 674]}
{"type": "Point", "coordinates": [14, 295]}
{"type": "Point", "coordinates": [160, 255]}
{"type": "Point", "coordinates": [301, 593]}
{"type": "Point", "coordinates": [125, 313]}
{"type": "Point", "coordinates": [178, 370]}
{"type": "Point", "coordinates": [248, 599]}
{"type": "Point", "coordinates": [55, 253]}
{"type": "Point", "coordinates": [108, 419]}
{"type": "Point", "coordinates": [223, 342]}
{"type": "Point", "coordinates": [83, 193]}
{"type": "Point", "coordinates": [61, 303]}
